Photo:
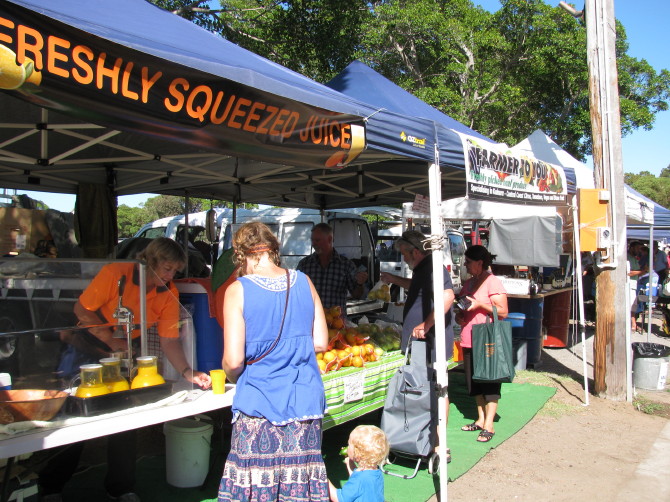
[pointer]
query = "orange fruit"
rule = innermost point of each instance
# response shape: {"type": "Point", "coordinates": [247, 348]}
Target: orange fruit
{"type": "Point", "coordinates": [338, 323]}
{"type": "Point", "coordinates": [329, 320]}
{"type": "Point", "coordinates": [369, 348]}
{"type": "Point", "coordinates": [329, 356]}
{"type": "Point", "coordinates": [357, 362]}
{"type": "Point", "coordinates": [356, 350]}
{"type": "Point", "coordinates": [322, 365]}
{"type": "Point", "coordinates": [319, 356]}
{"type": "Point", "coordinates": [335, 311]}
{"type": "Point", "coordinates": [351, 338]}
{"type": "Point", "coordinates": [12, 75]}
{"type": "Point", "coordinates": [346, 360]}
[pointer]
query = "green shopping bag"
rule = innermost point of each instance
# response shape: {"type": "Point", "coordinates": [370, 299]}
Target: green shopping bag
{"type": "Point", "coordinates": [492, 357]}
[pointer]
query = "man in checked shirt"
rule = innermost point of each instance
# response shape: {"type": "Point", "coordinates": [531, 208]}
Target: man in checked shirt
{"type": "Point", "coordinates": [333, 275]}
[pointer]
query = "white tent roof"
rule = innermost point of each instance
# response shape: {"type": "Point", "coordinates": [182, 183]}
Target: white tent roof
{"type": "Point", "coordinates": [542, 147]}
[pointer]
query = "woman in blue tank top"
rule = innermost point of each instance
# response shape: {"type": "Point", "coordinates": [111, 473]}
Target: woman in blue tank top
{"type": "Point", "coordinates": [269, 351]}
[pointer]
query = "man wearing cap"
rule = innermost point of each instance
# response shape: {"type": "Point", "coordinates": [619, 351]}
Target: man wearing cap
{"type": "Point", "coordinates": [419, 313]}
{"type": "Point", "coordinates": [333, 275]}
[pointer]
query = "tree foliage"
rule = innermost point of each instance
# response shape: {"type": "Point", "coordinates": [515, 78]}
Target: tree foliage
{"type": "Point", "coordinates": [651, 186]}
{"type": "Point", "coordinates": [131, 219]}
{"type": "Point", "coordinates": [503, 74]}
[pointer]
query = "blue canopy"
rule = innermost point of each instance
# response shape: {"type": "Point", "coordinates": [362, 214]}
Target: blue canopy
{"type": "Point", "coordinates": [361, 82]}
{"type": "Point", "coordinates": [661, 224]}
{"type": "Point", "coordinates": [139, 98]}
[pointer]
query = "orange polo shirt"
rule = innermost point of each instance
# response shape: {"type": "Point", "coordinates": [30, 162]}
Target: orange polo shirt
{"type": "Point", "coordinates": [102, 296]}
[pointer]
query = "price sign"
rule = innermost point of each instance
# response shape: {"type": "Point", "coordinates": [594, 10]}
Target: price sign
{"type": "Point", "coordinates": [421, 204]}
{"type": "Point", "coordinates": [354, 385]}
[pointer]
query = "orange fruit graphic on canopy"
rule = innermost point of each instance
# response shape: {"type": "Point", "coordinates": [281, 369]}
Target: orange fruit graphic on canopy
{"type": "Point", "coordinates": [12, 75]}
{"type": "Point", "coordinates": [32, 75]}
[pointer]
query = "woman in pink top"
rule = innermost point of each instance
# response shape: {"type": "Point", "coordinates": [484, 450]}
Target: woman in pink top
{"type": "Point", "coordinates": [483, 290]}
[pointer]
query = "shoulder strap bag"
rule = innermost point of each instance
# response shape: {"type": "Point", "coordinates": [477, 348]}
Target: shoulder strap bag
{"type": "Point", "coordinates": [492, 357]}
{"type": "Point", "coordinates": [281, 326]}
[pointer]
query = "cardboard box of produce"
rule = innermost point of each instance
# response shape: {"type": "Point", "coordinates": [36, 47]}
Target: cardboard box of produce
{"type": "Point", "coordinates": [21, 229]}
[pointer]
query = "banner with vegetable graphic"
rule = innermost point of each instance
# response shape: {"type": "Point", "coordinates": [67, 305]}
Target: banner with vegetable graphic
{"type": "Point", "coordinates": [494, 174]}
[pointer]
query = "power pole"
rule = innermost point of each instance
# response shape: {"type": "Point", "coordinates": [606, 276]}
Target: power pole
{"type": "Point", "coordinates": [610, 347]}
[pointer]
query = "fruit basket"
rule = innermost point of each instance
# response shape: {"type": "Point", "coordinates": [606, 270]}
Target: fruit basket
{"type": "Point", "coordinates": [30, 404]}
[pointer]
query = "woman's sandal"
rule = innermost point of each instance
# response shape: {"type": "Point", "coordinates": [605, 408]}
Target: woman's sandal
{"type": "Point", "coordinates": [471, 427]}
{"type": "Point", "coordinates": [485, 436]}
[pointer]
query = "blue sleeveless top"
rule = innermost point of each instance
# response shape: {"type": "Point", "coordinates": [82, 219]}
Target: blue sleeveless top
{"type": "Point", "coordinates": [286, 385]}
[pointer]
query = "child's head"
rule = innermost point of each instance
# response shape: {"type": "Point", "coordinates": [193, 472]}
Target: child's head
{"type": "Point", "coordinates": [368, 446]}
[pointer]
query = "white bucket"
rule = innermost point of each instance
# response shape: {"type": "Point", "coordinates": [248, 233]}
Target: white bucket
{"type": "Point", "coordinates": [187, 446]}
{"type": "Point", "coordinates": [650, 373]}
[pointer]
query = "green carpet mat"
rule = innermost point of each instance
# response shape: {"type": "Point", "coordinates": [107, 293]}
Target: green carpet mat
{"type": "Point", "coordinates": [519, 403]}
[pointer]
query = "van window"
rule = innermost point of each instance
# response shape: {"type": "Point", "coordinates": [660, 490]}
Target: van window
{"type": "Point", "coordinates": [386, 251]}
{"type": "Point", "coordinates": [153, 233]}
{"type": "Point", "coordinates": [195, 233]}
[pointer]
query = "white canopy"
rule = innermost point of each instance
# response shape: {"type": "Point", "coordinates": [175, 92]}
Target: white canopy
{"type": "Point", "coordinates": [542, 147]}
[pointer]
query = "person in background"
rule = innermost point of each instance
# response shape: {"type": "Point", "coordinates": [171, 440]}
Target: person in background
{"type": "Point", "coordinates": [484, 291]}
{"type": "Point", "coordinates": [333, 275]}
{"type": "Point", "coordinates": [660, 263]}
{"type": "Point", "coordinates": [418, 312]}
{"type": "Point", "coordinates": [366, 452]}
{"type": "Point", "coordinates": [95, 308]}
{"type": "Point", "coordinates": [634, 273]}
{"type": "Point", "coordinates": [271, 334]}
{"type": "Point", "coordinates": [643, 257]}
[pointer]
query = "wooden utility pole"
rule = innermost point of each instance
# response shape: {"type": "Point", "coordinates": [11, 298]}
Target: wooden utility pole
{"type": "Point", "coordinates": [610, 346]}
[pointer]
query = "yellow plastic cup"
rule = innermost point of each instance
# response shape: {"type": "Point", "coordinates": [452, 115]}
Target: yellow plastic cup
{"type": "Point", "coordinates": [218, 381]}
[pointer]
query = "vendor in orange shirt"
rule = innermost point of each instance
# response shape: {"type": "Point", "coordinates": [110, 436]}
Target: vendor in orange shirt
{"type": "Point", "coordinates": [95, 309]}
{"type": "Point", "coordinates": [97, 304]}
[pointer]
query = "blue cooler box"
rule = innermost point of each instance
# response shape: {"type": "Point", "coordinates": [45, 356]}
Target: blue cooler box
{"type": "Point", "coordinates": [208, 332]}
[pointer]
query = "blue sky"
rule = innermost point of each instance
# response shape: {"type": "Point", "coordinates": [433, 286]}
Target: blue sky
{"type": "Point", "coordinates": [645, 22]}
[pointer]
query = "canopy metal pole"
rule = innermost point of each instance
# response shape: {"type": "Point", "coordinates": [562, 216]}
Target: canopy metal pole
{"type": "Point", "coordinates": [187, 209]}
{"type": "Point", "coordinates": [580, 297]}
{"type": "Point", "coordinates": [435, 191]}
{"type": "Point", "coordinates": [650, 267]}
{"type": "Point", "coordinates": [144, 342]}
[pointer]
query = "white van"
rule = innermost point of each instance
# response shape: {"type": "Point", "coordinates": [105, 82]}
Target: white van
{"type": "Point", "coordinates": [293, 227]}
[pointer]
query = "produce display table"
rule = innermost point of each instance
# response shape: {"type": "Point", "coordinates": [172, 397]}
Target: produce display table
{"type": "Point", "coordinates": [353, 392]}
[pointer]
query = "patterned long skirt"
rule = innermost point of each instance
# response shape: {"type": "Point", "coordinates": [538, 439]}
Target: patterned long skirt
{"type": "Point", "coordinates": [274, 463]}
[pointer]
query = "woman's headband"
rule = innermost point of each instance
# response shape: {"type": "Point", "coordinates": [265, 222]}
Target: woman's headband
{"type": "Point", "coordinates": [261, 248]}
